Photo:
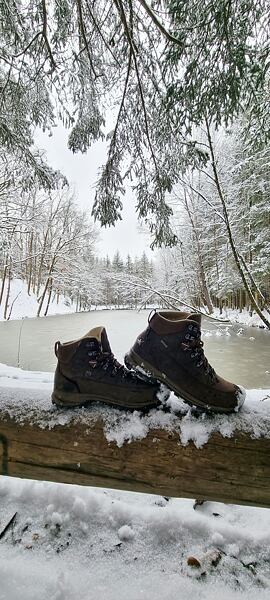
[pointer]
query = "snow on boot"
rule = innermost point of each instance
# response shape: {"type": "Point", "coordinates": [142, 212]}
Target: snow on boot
{"type": "Point", "coordinates": [171, 350]}
{"type": "Point", "coordinates": [87, 371]}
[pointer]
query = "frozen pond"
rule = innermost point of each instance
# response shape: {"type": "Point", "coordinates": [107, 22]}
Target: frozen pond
{"type": "Point", "coordinates": [239, 353]}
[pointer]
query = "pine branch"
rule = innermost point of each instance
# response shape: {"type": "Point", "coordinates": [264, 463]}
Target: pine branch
{"type": "Point", "coordinates": [83, 33]}
{"type": "Point", "coordinates": [45, 35]}
{"type": "Point", "coordinates": [169, 37]}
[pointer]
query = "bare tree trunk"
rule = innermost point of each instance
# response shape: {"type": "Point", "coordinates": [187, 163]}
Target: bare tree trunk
{"type": "Point", "coordinates": [39, 276]}
{"type": "Point", "coordinates": [202, 276]}
{"type": "Point", "coordinates": [30, 264]}
{"type": "Point", "coordinates": [253, 283]}
{"type": "Point", "coordinates": [45, 287]}
{"type": "Point", "coordinates": [3, 282]}
{"type": "Point", "coordinates": [236, 256]}
{"type": "Point", "coordinates": [8, 290]}
{"type": "Point", "coordinates": [49, 297]}
{"type": "Point", "coordinates": [34, 278]}
{"type": "Point", "coordinates": [216, 252]}
{"type": "Point", "coordinates": [12, 304]}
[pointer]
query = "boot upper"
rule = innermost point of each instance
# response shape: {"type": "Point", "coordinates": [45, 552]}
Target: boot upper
{"type": "Point", "coordinates": [91, 359]}
{"type": "Point", "coordinates": [172, 345]}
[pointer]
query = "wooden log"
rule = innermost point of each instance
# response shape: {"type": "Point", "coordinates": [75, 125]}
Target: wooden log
{"type": "Point", "coordinates": [234, 470]}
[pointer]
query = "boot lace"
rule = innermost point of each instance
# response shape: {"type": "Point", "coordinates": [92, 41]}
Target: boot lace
{"type": "Point", "coordinates": [110, 364]}
{"type": "Point", "coordinates": [194, 345]}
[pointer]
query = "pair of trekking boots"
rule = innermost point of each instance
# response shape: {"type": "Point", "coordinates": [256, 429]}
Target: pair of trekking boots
{"type": "Point", "coordinates": [169, 351]}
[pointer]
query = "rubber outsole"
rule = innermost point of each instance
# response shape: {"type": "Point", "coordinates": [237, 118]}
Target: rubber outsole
{"type": "Point", "coordinates": [77, 400]}
{"type": "Point", "coordinates": [134, 361]}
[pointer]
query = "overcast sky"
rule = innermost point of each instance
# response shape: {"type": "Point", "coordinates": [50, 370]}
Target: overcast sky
{"type": "Point", "coordinates": [82, 171]}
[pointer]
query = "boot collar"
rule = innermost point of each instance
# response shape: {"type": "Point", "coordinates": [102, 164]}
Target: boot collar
{"type": "Point", "coordinates": [95, 340]}
{"type": "Point", "coordinates": [167, 322]}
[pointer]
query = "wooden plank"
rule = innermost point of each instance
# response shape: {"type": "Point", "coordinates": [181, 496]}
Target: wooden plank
{"type": "Point", "coordinates": [234, 470]}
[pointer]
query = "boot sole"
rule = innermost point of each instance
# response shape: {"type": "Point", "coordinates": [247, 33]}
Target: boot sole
{"type": "Point", "coordinates": [134, 361]}
{"type": "Point", "coordinates": [77, 400]}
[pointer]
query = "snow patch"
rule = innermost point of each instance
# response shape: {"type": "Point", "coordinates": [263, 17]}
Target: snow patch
{"type": "Point", "coordinates": [241, 396]}
{"type": "Point", "coordinates": [125, 533]}
{"type": "Point", "coordinates": [244, 317]}
{"type": "Point", "coordinates": [79, 555]}
{"type": "Point", "coordinates": [22, 304]}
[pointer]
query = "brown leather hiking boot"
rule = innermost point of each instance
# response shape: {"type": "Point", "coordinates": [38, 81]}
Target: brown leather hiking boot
{"type": "Point", "coordinates": [87, 371]}
{"type": "Point", "coordinates": [171, 350]}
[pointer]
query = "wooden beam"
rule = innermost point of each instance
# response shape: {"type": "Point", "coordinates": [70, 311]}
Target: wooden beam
{"type": "Point", "coordinates": [234, 470]}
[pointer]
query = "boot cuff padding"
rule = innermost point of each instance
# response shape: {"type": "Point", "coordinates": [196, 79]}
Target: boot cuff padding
{"type": "Point", "coordinates": [94, 333]}
{"type": "Point", "coordinates": [167, 322]}
{"type": "Point", "coordinates": [66, 350]}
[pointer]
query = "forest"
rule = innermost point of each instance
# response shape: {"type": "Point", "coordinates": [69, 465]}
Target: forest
{"type": "Point", "coordinates": [180, 97]}
{"type": "Point", "coordinates": [134, 385]}
{"type": "Point", "coordinates": [48, 242]}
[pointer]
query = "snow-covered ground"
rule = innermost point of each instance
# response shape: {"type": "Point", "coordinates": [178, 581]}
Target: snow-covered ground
{"type": "Point", "coordinates": [69, 542]}
{"type": "Point", "coordinates": [22, 305]}
{"type": "Point", "coordinates": [243, 317]}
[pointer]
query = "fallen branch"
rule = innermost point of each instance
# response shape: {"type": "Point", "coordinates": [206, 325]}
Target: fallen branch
{"type": "Point", "coordinates": [7, 527]}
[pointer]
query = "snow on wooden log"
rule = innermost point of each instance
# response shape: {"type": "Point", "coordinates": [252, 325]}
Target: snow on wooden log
{"type": "Point", "coordinates": [152, 453]}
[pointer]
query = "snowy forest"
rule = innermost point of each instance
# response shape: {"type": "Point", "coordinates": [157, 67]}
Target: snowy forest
{"type": "Point", "coordinates": [134, 384]}
{"type": "Point", "coordinates": [199, 171]}
{"type": "Point", "coordinates": [49, 243]}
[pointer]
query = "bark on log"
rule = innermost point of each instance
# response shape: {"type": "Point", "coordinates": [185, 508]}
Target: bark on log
{"type": "Point", "coordinates": [234, 470]}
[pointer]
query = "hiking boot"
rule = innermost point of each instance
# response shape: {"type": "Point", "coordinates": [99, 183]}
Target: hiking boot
{"type": "Point", "coordinates": [171, 350]}
{"type": "Point", "coordinates": [87, 371]}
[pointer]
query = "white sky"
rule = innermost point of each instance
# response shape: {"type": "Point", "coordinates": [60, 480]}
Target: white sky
{"type": "Point", "coordinates": [82, 171]}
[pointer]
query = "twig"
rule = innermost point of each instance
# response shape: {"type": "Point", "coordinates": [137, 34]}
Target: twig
{"type": "Point", "coordinates": [7, 527]}
{"type": "Point", "coordinates": [83, 32]}
{"type": "Point", "coordinates": [172, 301]}
{"type": "Point", "coordinates": [11, 307]}
{"type": "Point", "coordinates": [45, 35]}
{"type": "Point", "coordinates": [101, 35]}
{"type": "Point", "coordinates": [121, 11]}
{"type": "Point", "coordinates": [29, 45]}
{"type": "Point", "coordinates": [159, 25]}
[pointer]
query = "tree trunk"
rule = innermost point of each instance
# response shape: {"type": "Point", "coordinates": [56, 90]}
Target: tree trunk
{"type": "Point", "coordinates": [202, 275]}
{"type": "Point", "coordinates": [30, 270]}
{"type": "Point", "coordinates": [46, 287]}
{"type": "Point", "coordinates": [39, 276]}
{"type": "Point", "coordinates": [3, 282]}
{"type": "Point", "coordinates": [49, 297]}
{"type": "Point", "coordinates": [8, 291]}
{"type": "Point", "coordinates": [236, 256]}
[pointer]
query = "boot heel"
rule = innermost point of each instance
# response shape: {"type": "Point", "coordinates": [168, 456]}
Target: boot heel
{"type": "Point", "coordinates": [65, 391]}
{"type": "Point", "coordinates": [68, 400]}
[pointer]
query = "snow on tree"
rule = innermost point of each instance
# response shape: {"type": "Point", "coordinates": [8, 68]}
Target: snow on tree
{"type": "Point", "coordinates": [161, 71]}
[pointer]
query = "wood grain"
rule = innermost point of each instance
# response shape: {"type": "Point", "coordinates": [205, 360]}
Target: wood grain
{"type": "Point", "coordinates": [234, 470]}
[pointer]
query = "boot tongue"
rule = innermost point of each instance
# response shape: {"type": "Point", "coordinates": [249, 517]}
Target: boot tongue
{"type": "Point", "coordinates": [99, 334]}
{"type": "Point", "coordinates": [195, 317]}
{"type": "Point", "coordinates": [105, 342]}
